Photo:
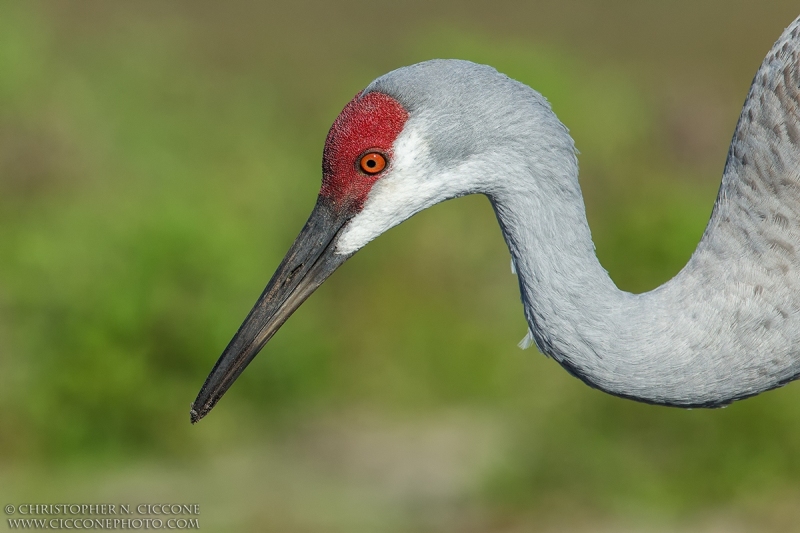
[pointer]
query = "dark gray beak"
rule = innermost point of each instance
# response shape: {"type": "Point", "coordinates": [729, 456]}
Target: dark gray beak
{"type": "Point", "coordinates": [309, 262]}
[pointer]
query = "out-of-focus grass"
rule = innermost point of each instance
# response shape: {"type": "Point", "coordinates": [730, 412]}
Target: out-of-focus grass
{"type": "Point", "coordinates": [149, 184]}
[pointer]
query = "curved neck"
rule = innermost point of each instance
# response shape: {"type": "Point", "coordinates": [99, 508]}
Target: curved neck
{"type": "Point", "coordinates": [564, 288]}
{"type": "Point", "coordinates": [726, 327]}
{"type": "Point", "coordinates": [575, 312]}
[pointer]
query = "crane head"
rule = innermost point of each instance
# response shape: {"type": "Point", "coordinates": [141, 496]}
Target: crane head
{"type": "Point", "coordinates": [359, 152]}
{"type": "Point", "coordinates": [411, 139]}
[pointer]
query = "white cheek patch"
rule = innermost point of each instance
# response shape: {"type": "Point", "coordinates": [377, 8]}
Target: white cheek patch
{"type": "Point", "coordinates": [396, 196]}
{"type": "Point", "coordinates": [414, 182]}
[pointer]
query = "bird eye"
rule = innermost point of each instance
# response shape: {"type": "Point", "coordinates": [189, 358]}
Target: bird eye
{"type": "Point", "coordinates": [373, 162]}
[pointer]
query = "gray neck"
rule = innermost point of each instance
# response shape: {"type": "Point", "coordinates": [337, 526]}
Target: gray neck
{"type": "Point", "coordinates": [685, 343]}
{"type": "Point", "coordinates": [575, 312]}
{"type": "Point", "coordinates": [728, 325]}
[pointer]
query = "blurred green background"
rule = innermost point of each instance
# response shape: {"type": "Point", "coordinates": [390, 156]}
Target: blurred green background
{"type": "Point", "coordinates": [158, 158]}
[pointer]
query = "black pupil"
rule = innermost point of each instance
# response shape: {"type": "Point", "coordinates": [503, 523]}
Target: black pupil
{"type": "Point", "coordinates": [371, 163]}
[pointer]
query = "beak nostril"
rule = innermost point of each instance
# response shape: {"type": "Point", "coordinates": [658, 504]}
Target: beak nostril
{"type": "Point", "coordinates": [293, 272]}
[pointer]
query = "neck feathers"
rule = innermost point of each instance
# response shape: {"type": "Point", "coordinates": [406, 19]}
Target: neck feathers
{"type": "Point", "coordinates": [728, 325]}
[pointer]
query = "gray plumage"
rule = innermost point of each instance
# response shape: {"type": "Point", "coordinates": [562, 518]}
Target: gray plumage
{"type": "Point", "coordinates": [726, 327]}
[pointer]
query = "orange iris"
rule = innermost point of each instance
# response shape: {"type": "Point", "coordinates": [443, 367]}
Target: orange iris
{"type": "Point", "coordinates": [373, 162]}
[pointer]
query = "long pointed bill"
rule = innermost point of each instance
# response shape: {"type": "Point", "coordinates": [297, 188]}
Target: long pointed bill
{"type": "Point", "coordinates": [309, 262]}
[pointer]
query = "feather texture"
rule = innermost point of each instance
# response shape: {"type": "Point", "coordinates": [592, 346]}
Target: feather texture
{"type": "Point", "coordinates": [726, 327]}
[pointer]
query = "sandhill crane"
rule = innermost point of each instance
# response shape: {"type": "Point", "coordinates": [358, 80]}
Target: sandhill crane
{"type": "Point", "coordinates": [726, 327]}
